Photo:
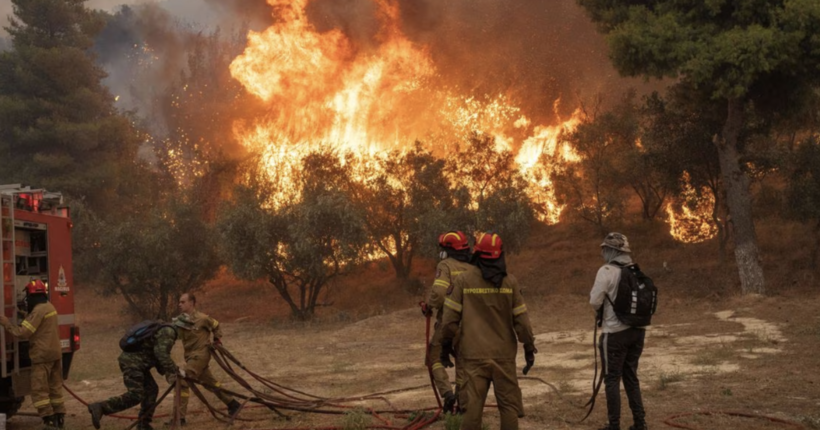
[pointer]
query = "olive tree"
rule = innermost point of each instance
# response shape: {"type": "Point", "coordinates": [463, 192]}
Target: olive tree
{"type": "Point", "coordinates": [494, 191]}
{"type": "Point", "coordinates": [152, 258]}
{"type": "Point", "coordinates": [407, 200]}
{"type": "Point", "coordinates": [594, 187]}
{"type": "Point", "coordinates": [300, 246]}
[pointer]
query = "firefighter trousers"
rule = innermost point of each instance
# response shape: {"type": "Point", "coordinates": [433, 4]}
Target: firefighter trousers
{"type": "Point", "coordinates": [47, 388]}
{"type": "Point", "coordinates": [440, 377]}
{"type": "Point", "coordinates": [620, 353]}
{"type": "Point", "coordinates": [478, 375]}
{"type": "Point", "coordinates": [196, 367]}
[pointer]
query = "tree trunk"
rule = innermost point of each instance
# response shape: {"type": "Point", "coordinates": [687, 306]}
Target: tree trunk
{"type": "Point", "coordinates": [816, 248]}
{"type": "Point", "coordinates": [739, 201]}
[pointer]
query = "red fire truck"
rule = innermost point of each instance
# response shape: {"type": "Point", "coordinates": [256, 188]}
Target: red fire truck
{"type": "Point", "coordinates": [35, 233]}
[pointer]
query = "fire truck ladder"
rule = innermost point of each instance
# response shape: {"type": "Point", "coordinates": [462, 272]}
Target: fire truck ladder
{"type": "Point", "coordinates": [8, 272]}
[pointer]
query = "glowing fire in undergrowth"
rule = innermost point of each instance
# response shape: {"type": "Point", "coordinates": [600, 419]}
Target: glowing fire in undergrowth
{"type": "Point", "coordinates": [322, 91]}
{"type": "Point", "coordinates": [693, 222]}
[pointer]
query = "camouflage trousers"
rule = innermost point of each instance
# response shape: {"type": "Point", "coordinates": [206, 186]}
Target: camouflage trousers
{"type": "Point", "coordinates": [47, 388]}
{"type": "Point", "coordinates": [196, 367]}
{"type": "Point", "coordinates": [142, 389]}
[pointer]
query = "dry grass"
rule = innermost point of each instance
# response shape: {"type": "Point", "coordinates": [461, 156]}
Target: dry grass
{"type": "Point", "coordinates": [370, 336]}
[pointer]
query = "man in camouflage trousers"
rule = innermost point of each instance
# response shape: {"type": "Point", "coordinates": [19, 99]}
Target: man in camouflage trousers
{"type": "Point", "coordinates": [155, 351]}
{"type": "Point", "coordinates": [195, 330]}
{"type": "Point", "coordinates": [488, 305]}
{"type": "Point", "coordinates": [41, 329]}
{"type": "Point", "coordinates": [455, 259]}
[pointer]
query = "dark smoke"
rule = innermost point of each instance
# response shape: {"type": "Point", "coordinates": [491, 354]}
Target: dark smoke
{"type": "Point", "coordinates": [534, 51]}
{"type": "Point", "coordinates": [146, 47]}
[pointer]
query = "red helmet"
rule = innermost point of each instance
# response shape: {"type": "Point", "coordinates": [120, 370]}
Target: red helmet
{"type": "Point", "coordinates": [488, 246]}
{"type": "Point", "coordinates": [454, 239]}
{"type": "Point", "coordinates": [36, 286]}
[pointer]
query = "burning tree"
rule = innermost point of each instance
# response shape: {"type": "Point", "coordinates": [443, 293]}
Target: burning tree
{"type": "Point", "coordinates": [758, 58]}
{"type": "Point", "coordinates": [678, 138]}
{"type": "Point", "coordinates": [593, 188]}
{"type": "Point", "coordinates": [496, 191]}
{"type": "Point", "coordinates": [407, 200]}
{"type": "Point", "coordinates": [301, 246]}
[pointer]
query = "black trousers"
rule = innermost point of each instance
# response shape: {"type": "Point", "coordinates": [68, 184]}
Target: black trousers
{"type": "Point", "coordinates": [620, 353]}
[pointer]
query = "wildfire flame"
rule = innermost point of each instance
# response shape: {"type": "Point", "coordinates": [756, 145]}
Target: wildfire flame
{"type": "Point", "coordinates": [694, 223]}
{"type": "Point", "coordinates": [322, 91]}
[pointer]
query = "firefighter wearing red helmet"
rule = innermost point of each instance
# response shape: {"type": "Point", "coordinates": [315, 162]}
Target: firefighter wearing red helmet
{"type": "Point", "coordinates": [486, 305]}
{"type": "Point", "coordinates": [455, 259]}
{"type": "Point", "coordinates": [41, 329]}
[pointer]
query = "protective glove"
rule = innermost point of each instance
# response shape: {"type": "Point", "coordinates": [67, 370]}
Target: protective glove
{"type": "Point", "coordinates": [425, 310]}
{"type": "Point", "coordinates": [171, 378]}
{"type": "Point", "coordinates": [529, 356]}
{"type": "Point", "coordinates": [599, 316]}
{"type": "Point", "coordinates": [182, 372]}
{"type": "Point", "coordinates": [446, 352]}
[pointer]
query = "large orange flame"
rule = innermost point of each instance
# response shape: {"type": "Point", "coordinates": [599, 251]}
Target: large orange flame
{"type": "Point", "coordinates": [323, 91]}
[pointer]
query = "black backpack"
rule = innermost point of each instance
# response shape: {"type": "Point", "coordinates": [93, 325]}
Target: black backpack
{"type": "Point", "coordinates": [637, 297]}
{"type": "Point", "coordinates": [135, 336]}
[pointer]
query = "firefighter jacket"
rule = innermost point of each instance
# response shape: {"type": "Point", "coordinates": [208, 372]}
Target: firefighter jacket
{"type": "Point", "coordinates": [195, 330]}
{"type": "Point", "coordinates": [41, 329]}
{"type": "Point", "coordinates": [491, 318]}
{"type": "Point", "coordinates": [446, 272]}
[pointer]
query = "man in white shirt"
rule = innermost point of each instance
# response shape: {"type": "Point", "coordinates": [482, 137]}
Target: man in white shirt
{"type": "Point", "coordinates": [620, 345]}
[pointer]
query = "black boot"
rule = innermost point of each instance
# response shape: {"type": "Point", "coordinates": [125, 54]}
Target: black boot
{"type": "Point", "coordinates": [233, 407]}
{"type": "Point", "coordinates": [49, 423]}
{"type": "Point", "coordinates": [639, 426]}
{"type": "Point", "coordinates": [59, 421]}
{"type": "Point", "coordinates": [96, 410]}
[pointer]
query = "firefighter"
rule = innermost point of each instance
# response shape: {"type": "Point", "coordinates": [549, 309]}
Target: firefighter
{"type": "Point", "coordinates": [195, 330]}
{"type": "Point", "coordinates": [488, 304]}
{"type": "Point", "coordinates": [455, 259]}
{"type": "Point", "coordinates": [41, 328]}
{"type": "Point", "coordinates": [150, 352]}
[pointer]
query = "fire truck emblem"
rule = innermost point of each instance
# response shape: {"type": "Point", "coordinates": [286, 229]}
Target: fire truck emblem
{"type": "Point", "coordinates": [62, 284]}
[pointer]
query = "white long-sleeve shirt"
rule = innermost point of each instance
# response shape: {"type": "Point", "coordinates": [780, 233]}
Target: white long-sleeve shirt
{"type": "Point", "coordinates": [606, 284]}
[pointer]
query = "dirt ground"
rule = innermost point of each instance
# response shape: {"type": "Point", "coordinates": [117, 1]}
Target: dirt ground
{"type": "Point", "coordinates": [753, 354]}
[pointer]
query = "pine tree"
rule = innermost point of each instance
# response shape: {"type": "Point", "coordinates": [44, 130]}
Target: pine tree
{"type": "Point", "coordinates": [58, 125]}
{"type": "Point", "coordinates": [758, 58]}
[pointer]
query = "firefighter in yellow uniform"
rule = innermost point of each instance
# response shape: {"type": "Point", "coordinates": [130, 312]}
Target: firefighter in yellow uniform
{"type": "Point", "coordinates": [455, 259]}
{"type": "Point", "coordinates": [41, 329]}
{"type": "Point", "coordinates": [195, 331]}
{"type": "Point", "coordinates": [488, 305]}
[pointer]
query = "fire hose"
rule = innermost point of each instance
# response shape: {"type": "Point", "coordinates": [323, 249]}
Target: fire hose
{"type": "Point", "coordinates": [280, 398]}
